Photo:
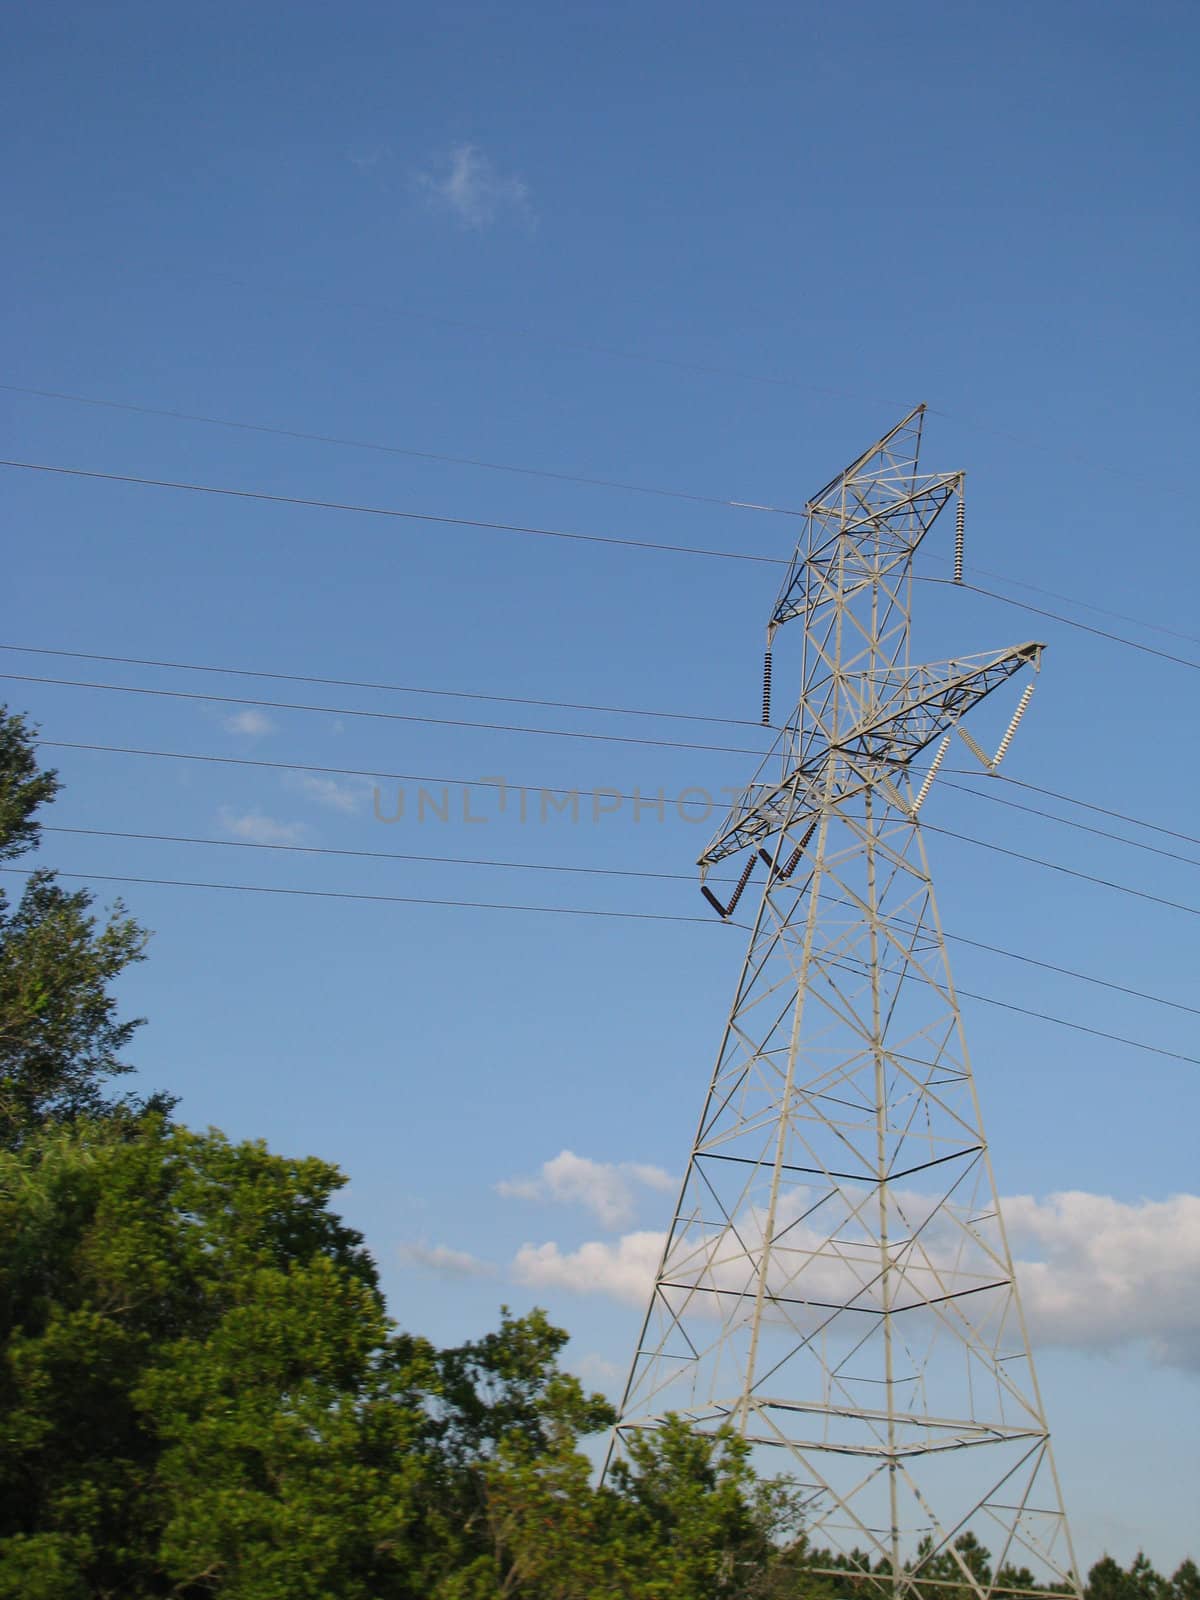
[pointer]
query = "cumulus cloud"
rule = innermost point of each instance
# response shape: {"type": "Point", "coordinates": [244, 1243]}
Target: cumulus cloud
{"type": "Point", "coordinates": [1105, 1273]}
{"type": "Point", "coordinates": [346, 796]}
{"type": "Point", "coordinates": [466, 183]}
{"type": "Point", "coordinates": [448, 1263]}
{"type": "Point", "coordinates": [623, 1269]}
{"type": "Point", "coordinates": [249, 722]}
{"type": "Point", "coordinates": [1095, 1273]}
{"type": "Point", "coordinates": [255, 828]}
{"type": "Point", "coordinates": [607, 1189]}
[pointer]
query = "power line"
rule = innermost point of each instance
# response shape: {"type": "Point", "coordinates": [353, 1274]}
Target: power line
{"type": "Point", "coordinates": [556, 533]}
{"type": "Point", "coordinates": [1087, 805]}
{"type": "Point", "coordinates": [569, 911]}
{"type": "Point", "coordinates": [533, 472]}
{"type": "Point", "coordinates": [505, 784]}
{"type": "Point", "coordinates": [390, 688]}
{"type": "Point", "coordinates": [1070, 872]}
{"type": "Point", "coordinates": [403, 450]}
{"type": "Point", "coordinates": [382, 716]}
{"type": "Point", "coordinates": [563, 867]}
{"type": "Point", "coordinates": [501, 784]}
{"type": "Point", "coordinates": [1070, 599]}
{"type": "Point", "coordinates": [1070, 622]}
{"type": "Point", "coordinates": [391, 511]}
{"type": "Point", "coordinates": [387, 899]}
{"type": "Point", "coordinates": [550, 733]}
{"type": "Point", "coordinates": [630, 711]}
{"type": "Point", "coordinates": [702, 369]}
{"type": "Point", "coordinates": [1067, 822]}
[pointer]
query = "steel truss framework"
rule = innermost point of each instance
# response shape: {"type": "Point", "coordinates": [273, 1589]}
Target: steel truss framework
{"type": "Point", "coordinates": [837, 1281]}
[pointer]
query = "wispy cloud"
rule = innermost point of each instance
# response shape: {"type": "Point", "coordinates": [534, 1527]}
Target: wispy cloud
{"type": "Point", "coordinates": [606, 1189]}
{"type": "Point", "coordinates": [444, 1261]}
{"type": "Point", "coordinates": [1095, 1273]}
{"type": "Point", "coordinates": [255, 828]}
{"type": "Point", "coordinates": [467, 183]}
{"type": "Point", "coordinates": [347, 797]}
{"type": "Point", "coordinates": [249, 722]}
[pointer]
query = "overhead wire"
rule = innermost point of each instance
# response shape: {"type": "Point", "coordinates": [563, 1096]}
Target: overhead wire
{"type": "Point", "coordinates": [1086, 805]}
{"type": "Point", "coordinates": [390, 688]}
{"type": "Point", "coordinates": [440, 519]}
{"type": "Point", "coordinates": [504, 784]}
{"type": "Point", "coordinates": [572, 911]}
{"type": "Point", "coordinates": [404, 450]}
{"type": "Point", "coordinates": [574, 868]}
{"type": "Point", "coordinates": [383, 716]}
{"type": "Point", "coordinates": [556, 733]}
{"type": "Point", "coordinates": [533, 472]}
{"type": "Point", "coordinates": [629, 711]}
{"type": "Point", "coordinates": [1070, 622]}
{"type": "Point", "coordinates": [1069, 822]}
{"type": "Point", "coordinates": [387, 899]}
{"type": "Point", "coordinates": [1057, 866]}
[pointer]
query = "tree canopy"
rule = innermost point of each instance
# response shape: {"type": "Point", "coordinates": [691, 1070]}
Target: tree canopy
{"type": "Point", "coordinates": [61, 1038]}
{"type": "Point", "coordinates": [202, 1393]}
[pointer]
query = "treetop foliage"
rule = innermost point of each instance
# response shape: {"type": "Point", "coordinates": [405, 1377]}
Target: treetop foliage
{"type": "Point", "coordinates": [202, 1393]}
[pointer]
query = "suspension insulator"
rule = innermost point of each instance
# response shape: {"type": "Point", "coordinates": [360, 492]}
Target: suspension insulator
{"type": "Point", "coordinates": [960, 522]}
{"type": "Point", "coordinates": [793, 860]}
{"type": "Point", "coordinates": [712, 899]}
{"type": "Point", "coordinates": [1022, 706]}
{"type": "Point", "coordinates": [741, 884]}
{"type": "Point", "coordinates": [767, 690]}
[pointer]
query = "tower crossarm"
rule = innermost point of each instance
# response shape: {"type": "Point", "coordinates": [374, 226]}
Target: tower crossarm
{"type": "Point", "coordinates": [859, 539]}
{"type": "Point", "coordinates": [905, 709]}
{"type": "Point", "coordinates": [911, 707]}
{"type": "Point", "coordinates": [761, 810]}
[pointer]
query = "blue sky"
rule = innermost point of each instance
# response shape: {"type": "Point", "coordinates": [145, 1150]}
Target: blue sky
{"type": "Point", "coordinates": [677, 246]}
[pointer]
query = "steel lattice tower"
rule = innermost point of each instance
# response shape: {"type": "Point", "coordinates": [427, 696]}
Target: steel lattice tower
{"type": "Point", "coordinates": [837, 1281]}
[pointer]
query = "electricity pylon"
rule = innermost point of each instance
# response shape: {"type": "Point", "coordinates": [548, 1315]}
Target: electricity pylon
{"type": "Point", "coordinates": [837, 1281]}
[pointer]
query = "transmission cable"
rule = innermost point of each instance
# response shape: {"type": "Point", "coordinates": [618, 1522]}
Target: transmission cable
{"type": "Point", "coordinates": [390, 688]}
{"type": "Point", "coordinates": [388, 899]}
{"type": "Point", "coordinates": [391, 511]}
{"type": "Point", "coordinates": [403, 450]}
{"type": "Point", "coordinates": [504, 784]}
{"type": "Point", "coordinates": [630, 711]}
{"type": "Point", "coordinates": [540, 472]}
{"type": "Point", "coordinates": [383, 716]}
{"type": "Point", "coordinates": [559, 533]}
{"type": "Point", "coordinates": [568, 911]}
{"type": "Point", "coordinates": [1068, 822]}
{"type": "Point", "coordinates": [551, 733]}
{"type": "Point", "coordinates": [1056, 616]}
{"type": "Point", "coordinates": [597, 872]}
{"type": "Point", "coordinates": [1057, 866]}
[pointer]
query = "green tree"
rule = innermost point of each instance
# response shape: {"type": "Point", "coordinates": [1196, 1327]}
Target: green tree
{"type": "Point", "coordinates": [61, 1038]}
{"type": "Point", "coordinates": [1108, 1580]}
{"type": "Point", "coordinates": [200, 1390]}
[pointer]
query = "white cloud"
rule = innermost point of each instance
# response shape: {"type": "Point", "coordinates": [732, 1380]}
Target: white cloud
{"type": "Point", "coordinates": [345, 797]}
{"type": "Point", "coordinates": [448, 1263]}
{"type": "Point", "coordinates": [255, 828]}
{"type": "Point", "coordinates": [249, 722]}
{"type": "Point", "coordinates": [605, 1188]}
{"type": "Point", "coordinates": [1107, 1273]}
{"type": "Point", "coordinates": [467, 183]}
{"type": "Point", "coordinates": [1095, 1273]}
{"type": "Point", "coordinates": [624, 1269]}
